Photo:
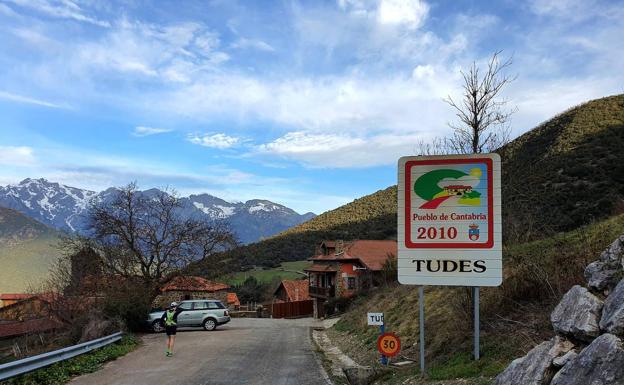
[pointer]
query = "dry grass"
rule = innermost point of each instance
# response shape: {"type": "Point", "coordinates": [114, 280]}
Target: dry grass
{"type": "Point", "coordinates": [515, 316]}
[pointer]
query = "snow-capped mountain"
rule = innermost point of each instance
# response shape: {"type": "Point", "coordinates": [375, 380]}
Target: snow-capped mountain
{"type": "Point", "coordinates": [65, 208]}
{"type": "Point", "coordinates": [50, 203]}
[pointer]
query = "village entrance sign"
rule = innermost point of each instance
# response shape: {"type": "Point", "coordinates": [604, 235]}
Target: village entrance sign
{"type": "Point", "coordinates": [449, 225]}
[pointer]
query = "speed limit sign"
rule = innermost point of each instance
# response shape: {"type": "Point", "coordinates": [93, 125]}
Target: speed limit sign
{"type": "Point", "coordinates": [389, 344]}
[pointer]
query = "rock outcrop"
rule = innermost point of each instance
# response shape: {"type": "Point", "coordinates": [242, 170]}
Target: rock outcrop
{"type": "Point", "coordinates": [581, 316]}
{"type": "Point", "coordinates": [612, 320]}
{"type": "Point", "coordinates": [602, 274]}
{"type": "Point", "coordinates": [602, 362]}
{"type": "Point", "coordinates": [578, 315]}
{"type": "Point", "coordinates": [536, 368]}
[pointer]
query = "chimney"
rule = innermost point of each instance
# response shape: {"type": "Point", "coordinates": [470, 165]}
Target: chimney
{"type": "Point", "coordinates": [339, 246]}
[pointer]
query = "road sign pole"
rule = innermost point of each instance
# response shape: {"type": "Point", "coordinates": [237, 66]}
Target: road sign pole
{"type": "Point", "coordinates": [421, 304]}
{"type": "Point", "coordinates": [382, 330]}
{"type": "Point", "coordinates": [475, 295]}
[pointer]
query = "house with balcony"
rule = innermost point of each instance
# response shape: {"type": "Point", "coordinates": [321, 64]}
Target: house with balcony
{"type": "Point", "coordinates": [342, 269]}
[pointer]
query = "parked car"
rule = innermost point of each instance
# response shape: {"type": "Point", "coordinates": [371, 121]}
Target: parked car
{"type": "Point", "coordinates": [206, 313]}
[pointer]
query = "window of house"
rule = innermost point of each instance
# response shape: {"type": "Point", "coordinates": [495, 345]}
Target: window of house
{"type": "Point", "coordinates": [351, 283]}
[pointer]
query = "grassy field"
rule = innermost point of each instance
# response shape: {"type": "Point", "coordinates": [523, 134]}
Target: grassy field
{"type": "Point", "coordinates": [287, 270]}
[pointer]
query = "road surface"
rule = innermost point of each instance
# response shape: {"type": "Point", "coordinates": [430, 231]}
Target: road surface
{"type": "Point", "coordinates": [245, 351]}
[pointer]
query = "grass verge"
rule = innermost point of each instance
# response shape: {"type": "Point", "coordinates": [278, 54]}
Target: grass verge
{"type": "Point", "coordinates": [62, 372]}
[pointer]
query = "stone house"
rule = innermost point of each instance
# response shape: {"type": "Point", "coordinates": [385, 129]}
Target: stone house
{"type": "Point", "coordinates": [343, 269]}
{"type": "Point", "coordinates": [182, 288]}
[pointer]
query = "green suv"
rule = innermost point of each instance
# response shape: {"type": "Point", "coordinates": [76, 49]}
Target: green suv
{"type": "Point", "coordinates": [207, 313]}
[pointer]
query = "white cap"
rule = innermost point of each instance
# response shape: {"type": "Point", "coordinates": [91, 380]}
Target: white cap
{"type": "Point", "coordinates": [173, 304]}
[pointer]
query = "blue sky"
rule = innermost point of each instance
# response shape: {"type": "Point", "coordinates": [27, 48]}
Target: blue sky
{"type": "Point", "coordinates": [306, 103]}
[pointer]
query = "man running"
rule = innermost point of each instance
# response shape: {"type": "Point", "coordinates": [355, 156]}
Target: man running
{"type": "Point", "coordinates": [170, 320]}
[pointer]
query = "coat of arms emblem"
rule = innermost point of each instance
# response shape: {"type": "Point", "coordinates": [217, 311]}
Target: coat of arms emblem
{"type": "Point", "coordinates": [473, 232]}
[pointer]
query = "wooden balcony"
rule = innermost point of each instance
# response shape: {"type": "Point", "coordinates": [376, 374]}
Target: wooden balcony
{"type": "Point", "coordinates": [323, 292]}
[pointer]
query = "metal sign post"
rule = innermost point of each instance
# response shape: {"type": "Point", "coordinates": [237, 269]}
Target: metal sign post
{"type": "Point", "coordinates": [475, 296]}
{"type": "Point", "coordinates": [382, 330]}
{"type": "Point", "coordinates": [421, 304]}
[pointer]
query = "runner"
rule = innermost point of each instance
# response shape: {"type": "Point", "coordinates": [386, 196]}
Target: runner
{"type": "Point", "coordinates": [170, 320]}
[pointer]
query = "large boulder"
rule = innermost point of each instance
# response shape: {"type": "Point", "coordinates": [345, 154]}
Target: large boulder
{"type": "Point", "coordinates": [600, 363]}
{"type": "Point", "coordinates": [536, 367]}
{"type": "Point", "coordinates": [612, 320]}
{"type": "Point", "coordinates": [578, 315]}
{"type": "Point", "coordinates": [602, 274]}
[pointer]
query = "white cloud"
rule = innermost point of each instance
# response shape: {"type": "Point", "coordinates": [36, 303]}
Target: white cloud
{"type": "Point", "coordinates": [341, 150]}
{"type": "Point", "coordinates": [67, 9]}
{"type": "Point", "coordinates": [411, 13]}
{"type": "Point", "coordinates": [17, 156]}
{"type": "Point", "coordinates": [243, 43]}
{"type": "Point", "coordinates": [220, 141]}
{"type": "Point", "coordinates": [173, 53]}
{"type": "Point", "coordinates": [28, 100]}
{"type": "Point", "coordinates": [146, 131]}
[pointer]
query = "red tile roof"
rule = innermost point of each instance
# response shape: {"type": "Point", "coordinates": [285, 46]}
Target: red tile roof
{"type": "Point", "coordinates": [232, 299]}
{"type": "Point", "coordinates": [296, 290]}
{"type": "Point", "coordinates": [372, 254]}
{"type": "Point", "coordinates": [14, 329]}
{"type": "Point", "coordinates": [320, 268]}
{"type": "Point", "coordinates": [15, 297]}
{"type": "Point", "coordinates": [192, 283]}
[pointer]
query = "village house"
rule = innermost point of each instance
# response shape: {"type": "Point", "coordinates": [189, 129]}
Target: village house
{"type": "Point", "coordinates": [182, 288]}
{"type": "Point", "coordinates": [292, 291]}
{"type": "Point", "coordinates": [24, 306]}
{"type": "Point", "coordinates": [343, 269]}
{"type": "Point", "coordinates": [9, 299]}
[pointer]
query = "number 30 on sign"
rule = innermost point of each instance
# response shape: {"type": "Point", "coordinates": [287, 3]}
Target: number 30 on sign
{"type": "Point", "coordinates": [389, 344]}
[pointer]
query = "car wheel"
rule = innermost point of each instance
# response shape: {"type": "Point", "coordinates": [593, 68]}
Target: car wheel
{"type": "Point", "coordinates": [157, 326]}
{"type": "Point", "coordinates": [210, 324]}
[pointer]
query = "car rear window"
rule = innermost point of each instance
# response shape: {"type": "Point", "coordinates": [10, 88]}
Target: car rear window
{"type": "Point", "coordinates": [216, 305]}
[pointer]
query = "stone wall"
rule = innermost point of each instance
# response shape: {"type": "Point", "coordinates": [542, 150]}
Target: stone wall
{"type": "Point", "coordinates": [164, 299]}
{"type": "Point", "coordinates": [589, 323]}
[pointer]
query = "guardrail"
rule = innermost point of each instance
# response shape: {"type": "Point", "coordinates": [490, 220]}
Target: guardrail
{"type": "Point", "coordinates": [29, 364]}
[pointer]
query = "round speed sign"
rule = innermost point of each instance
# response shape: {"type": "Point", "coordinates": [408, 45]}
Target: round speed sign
{"type": "Point", "coordinates": [389, 344]}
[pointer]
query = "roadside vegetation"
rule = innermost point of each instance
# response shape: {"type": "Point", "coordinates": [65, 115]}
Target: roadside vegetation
{"type": "Point", "coordinates": [62, 372]}
{"type": "Point", "coordinates": [514, 316]}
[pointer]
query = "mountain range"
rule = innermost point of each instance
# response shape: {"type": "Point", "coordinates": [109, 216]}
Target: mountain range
{"type": "Point", "coordinates": [65, 208]}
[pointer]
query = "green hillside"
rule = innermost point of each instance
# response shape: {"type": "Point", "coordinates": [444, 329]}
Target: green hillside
{"type": "Point", "coordinates": [26, 251]}
{"type": "Point", "coordinates": [563, 174]}
{"type": "Point", "coordinates": [566, 172]}
{"type": "Point", "coordinates": [287, 270]}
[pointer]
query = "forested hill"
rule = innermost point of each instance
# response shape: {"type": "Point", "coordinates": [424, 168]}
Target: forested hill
{"type": "Point", "coordinates": [563, 174]}
{"type": "Point", "coordinates": [369, 217]}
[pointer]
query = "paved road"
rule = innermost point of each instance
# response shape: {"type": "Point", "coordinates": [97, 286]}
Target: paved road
{"type": "Point", "coordinates": [245, 351]}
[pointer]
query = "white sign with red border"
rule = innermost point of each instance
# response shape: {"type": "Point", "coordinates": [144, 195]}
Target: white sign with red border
{"type": "Point", "coordinates": [449, 220]}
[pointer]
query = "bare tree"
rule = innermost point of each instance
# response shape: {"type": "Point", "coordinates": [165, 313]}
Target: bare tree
{"type": "Point", "coordinates": [144, 235]}
{"type": "Point", "coordinates": [483, 119]}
